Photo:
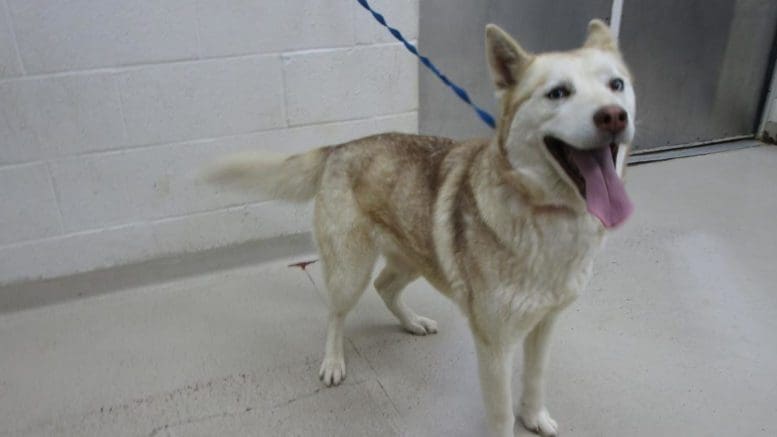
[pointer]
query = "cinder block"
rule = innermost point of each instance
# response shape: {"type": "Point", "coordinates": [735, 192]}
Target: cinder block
{"type": "Point", "coordinates": [75, 253]}
{"type": "Point", "coordinates": [137, 242]}
{"type": "Point", "coordinates": [191, 100]}
{"type": "Point", "coordinates": [324, 86]}
{"type": "Point", "coordinates": [250, 26]}
{"type": "Point", "coordinates": [29, 208]}
{"type": "Point", "coordinates": [162, 181]}
{"type": "Point", "coordinates": [231, 226]}
{"type": "Point", "coordinates": [134, 185]}
{"type": "Point", "coordinates": [81, 34]}
{"type": "Point", "coordinates": [56, 116]}
{"type": "Point", "coordinates": [117, 206]}
{"type": "Point", "coordinates": [9, 62]}
{"type": "Point", "coordinates": [147, 239]}
{"type": "Point", "coordinates": [400, 14]}
{"type": "Point", "coordinates": [300, 139]}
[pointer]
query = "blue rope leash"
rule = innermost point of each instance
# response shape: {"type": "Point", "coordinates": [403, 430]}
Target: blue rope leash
{"type": "Point", "coordinates": [485, 116]}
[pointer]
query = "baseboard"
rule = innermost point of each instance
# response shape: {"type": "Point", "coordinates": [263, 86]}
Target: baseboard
{"type": "Point", "coordinates": [664, 154]}
{"type": "Point", "coordinates": [23, 295]}
{"type": "Point", "coordinates": [139, 242]}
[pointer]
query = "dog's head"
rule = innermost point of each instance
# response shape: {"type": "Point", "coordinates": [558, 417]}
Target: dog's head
{"type": "Point", "coordinates": [567, 121]}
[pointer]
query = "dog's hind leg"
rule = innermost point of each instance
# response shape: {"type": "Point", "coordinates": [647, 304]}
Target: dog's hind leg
{"type": "Point", "coordinates": [390, 283]}
{"type": "Point", "coordinates": [348, 256]}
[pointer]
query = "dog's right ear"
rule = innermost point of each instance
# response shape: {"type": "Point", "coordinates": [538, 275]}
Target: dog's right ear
{"type": "Point", "coordinates": [600, 36]}
{"type": "Point", "coordinates": [507, 59]}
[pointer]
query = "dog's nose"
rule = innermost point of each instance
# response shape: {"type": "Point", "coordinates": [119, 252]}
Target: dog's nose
{"type": "Point", "coordinates": [611, 118]}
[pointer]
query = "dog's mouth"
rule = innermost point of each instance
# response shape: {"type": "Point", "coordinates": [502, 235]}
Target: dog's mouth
{"type": "Point", "coordinates": [562, 153]}
{"type": "Point", "coordinates": [593, 173]}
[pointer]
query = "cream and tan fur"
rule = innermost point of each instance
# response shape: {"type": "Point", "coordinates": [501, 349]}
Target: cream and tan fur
{"type": "Point", "coordinates": [495, 225]}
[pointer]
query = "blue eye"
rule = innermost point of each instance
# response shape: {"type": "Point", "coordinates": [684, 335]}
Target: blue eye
{"type": "Point", "coordinates": [558, 92]}
{"type": "Point", "coordinates": [617, 85]}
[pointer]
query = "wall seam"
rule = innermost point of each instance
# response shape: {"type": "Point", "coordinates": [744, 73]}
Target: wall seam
{"type": "Point", "coordinates": [285, 101]}
{"type": "Point", "coordinates": [139, 66]}
{"type": "Point", "coordinates": [141, 223]}
{"type": "Point", "coordinates": [57, 198]}
{"type": "Point", "coordinates": [192, 141]}
{"type": "Point", "coordinates": [13, 38]}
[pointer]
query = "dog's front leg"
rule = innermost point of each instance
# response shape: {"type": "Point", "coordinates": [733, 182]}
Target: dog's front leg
{"type": "Point", "coordinates": [534, 414]}
{"type": "Point", "coordinates": [495, 363]}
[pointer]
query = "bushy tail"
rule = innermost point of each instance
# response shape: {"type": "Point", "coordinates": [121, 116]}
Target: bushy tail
{"type": "Point", "coordinates": [294, 178]}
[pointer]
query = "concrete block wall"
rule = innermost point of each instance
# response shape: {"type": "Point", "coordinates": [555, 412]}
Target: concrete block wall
{"type": "Point", "coordinates": [108, 111]}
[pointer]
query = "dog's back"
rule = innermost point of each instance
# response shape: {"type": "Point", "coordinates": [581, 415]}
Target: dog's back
{"type": "Point", "coordinates": [395, 180]}
{"type": "Point", "coordinates": [391, 180]}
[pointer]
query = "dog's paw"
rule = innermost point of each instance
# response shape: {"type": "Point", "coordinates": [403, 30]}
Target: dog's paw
{"type": "Point", "coordinates": [421, 326]}
{"type": "Point", "coordinates": [332, 372]}
{"type": "Point", "coordinates": [540, 422]}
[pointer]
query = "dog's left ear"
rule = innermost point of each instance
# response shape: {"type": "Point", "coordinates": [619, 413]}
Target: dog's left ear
{"type": "Point", "coordinates": [600, 37]}
{"type": "Point", "coordinates": [507, 59]}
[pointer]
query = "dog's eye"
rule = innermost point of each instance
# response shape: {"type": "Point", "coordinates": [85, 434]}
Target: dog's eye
{"type": "Point", "coordinates": [617, 85]}
{"type": "Point", "coordinates": [558, 92]}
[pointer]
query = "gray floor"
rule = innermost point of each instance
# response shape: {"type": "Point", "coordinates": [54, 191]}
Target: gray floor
{"type": "Point", "coordinates": [674, 337]}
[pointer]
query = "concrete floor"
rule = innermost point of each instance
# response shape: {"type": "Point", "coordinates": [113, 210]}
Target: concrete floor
{"type": "Point", "coordinates": [675, 336]}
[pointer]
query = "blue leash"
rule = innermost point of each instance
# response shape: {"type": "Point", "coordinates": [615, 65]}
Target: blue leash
{"type": "Point", "coordinates": [485, 116]}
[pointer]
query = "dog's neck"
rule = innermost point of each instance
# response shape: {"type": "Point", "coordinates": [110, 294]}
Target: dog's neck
{"type": "Point", "coordinates": [509, 198]}
{"type": "Point", "coordinates": [524, 170]}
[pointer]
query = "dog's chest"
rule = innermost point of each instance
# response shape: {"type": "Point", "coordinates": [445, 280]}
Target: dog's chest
{"type": "Point", "coordinates": [563, 256]}
{"type": "Point", "coordinates": [547, 257]}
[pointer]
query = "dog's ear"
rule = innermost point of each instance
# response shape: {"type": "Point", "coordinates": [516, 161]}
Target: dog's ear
{"type": "Point", "coordinates": [600, 37]}
{"type": "Point", "coordinates": [507, 59]}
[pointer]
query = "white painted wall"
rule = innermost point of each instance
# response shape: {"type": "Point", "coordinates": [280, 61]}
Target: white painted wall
{"type": "Point", "coordinates": [108, 110]}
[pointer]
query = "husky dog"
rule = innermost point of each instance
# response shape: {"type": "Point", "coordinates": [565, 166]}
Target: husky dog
{"type": "Point", "coordinates": [506, 227]}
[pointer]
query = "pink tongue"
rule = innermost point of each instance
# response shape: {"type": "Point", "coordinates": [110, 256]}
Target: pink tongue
{"type": "Point", "coordinates": [604, 192]}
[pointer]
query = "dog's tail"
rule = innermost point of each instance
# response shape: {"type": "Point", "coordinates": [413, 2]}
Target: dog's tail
{"type": "Point", "coordinates": [295, 178]}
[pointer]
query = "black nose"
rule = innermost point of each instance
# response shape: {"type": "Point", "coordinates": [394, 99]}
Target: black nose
{"type": "Point", "coordinates": [611, 118]}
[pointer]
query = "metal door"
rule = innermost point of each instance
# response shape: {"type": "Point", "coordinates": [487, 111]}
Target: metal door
{"type": "Point", "coordinates": [451, 33]}
{"type": "Point", "coordinates": [701, 67]}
